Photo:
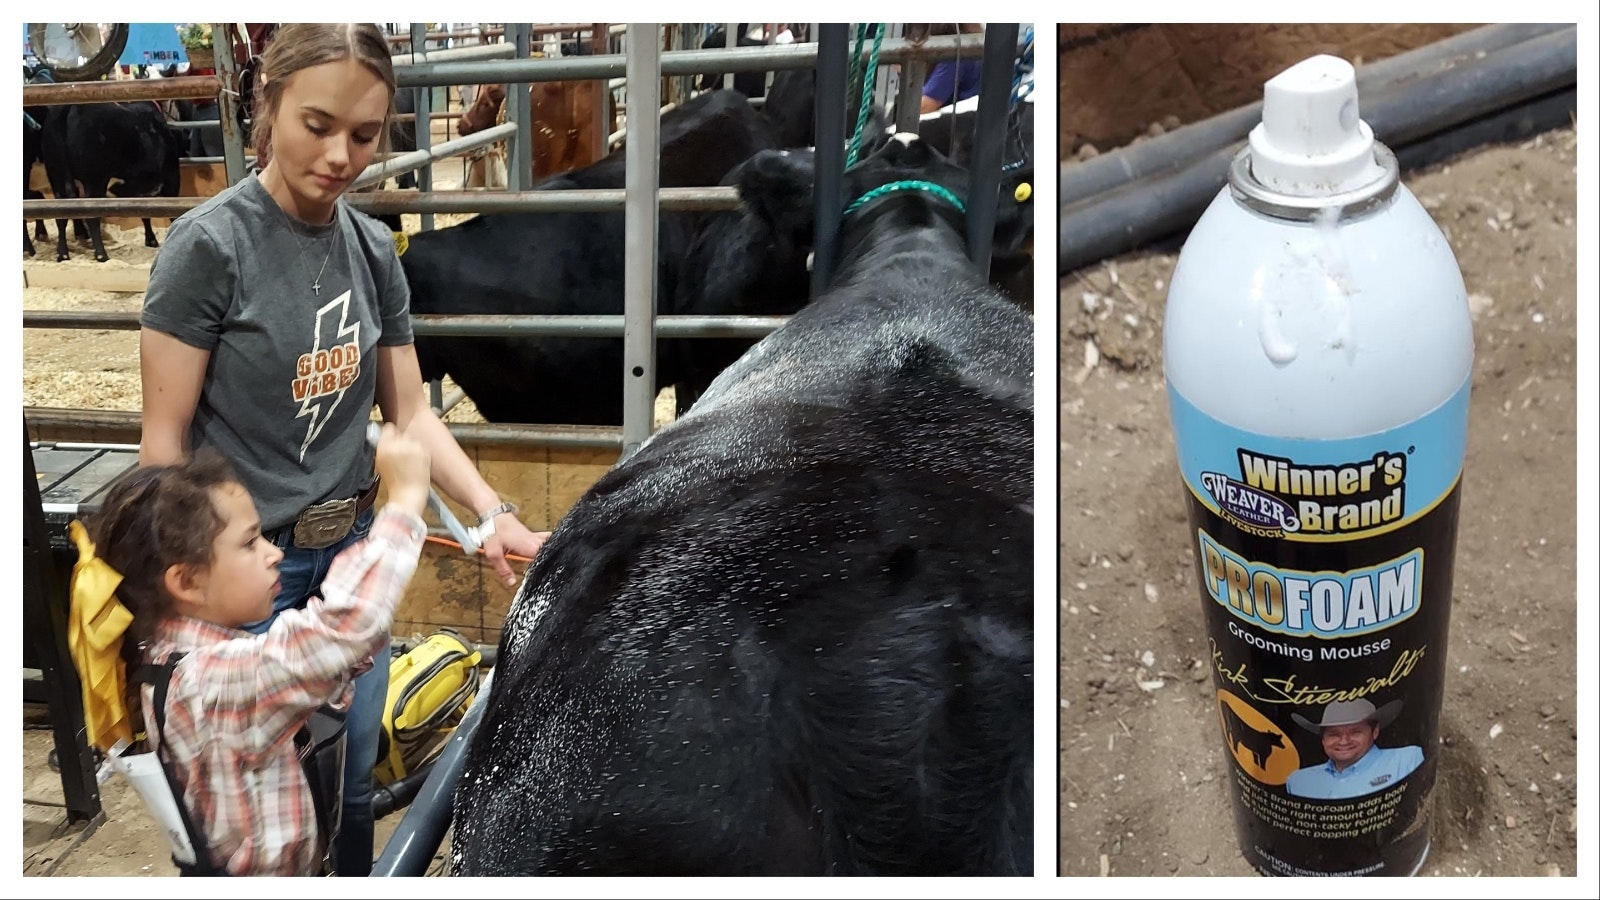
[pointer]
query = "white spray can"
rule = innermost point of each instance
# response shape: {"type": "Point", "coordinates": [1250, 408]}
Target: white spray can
{"type": "Point", "coordinates": [1318, 352]}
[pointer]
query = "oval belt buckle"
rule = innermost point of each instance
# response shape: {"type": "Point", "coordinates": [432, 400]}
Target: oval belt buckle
{"type": "Point", "coordinates": [324, 524]}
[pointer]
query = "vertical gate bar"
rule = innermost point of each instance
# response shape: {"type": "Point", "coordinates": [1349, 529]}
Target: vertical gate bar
{"type": "Point", "coordinates": [422, 105]}
{"type": "Point", "coordinates": [45, 604]}
{"type": "Point", "coordinates": [601, 123]}
{"type": "Point", "coordinates": [639, 228]}
{"type": "Point", "coordinates": [994, 103]}
{"type": "Point", "coordinates": [731, 41]}
{"type": "Point", "coordinates": [520, 159]}
{"type": "Point", "coordinates": [833, 40]}
{"type": "Point", "coordinates": [228, 103]}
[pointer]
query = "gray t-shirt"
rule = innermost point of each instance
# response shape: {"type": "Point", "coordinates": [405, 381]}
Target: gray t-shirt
{"type": "Point", "coordinates": [293, 372]}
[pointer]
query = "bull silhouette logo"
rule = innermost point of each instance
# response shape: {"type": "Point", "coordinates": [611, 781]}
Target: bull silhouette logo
{"type": "Point", "coordinates": [1255, 743]}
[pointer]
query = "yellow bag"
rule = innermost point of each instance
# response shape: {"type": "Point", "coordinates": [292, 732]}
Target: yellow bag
{"type": "Point", "coordinates": [430, 688]}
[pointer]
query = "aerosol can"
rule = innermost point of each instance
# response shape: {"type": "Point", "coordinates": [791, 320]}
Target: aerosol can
{"type": "Point", "coordinates": [1318, 351]}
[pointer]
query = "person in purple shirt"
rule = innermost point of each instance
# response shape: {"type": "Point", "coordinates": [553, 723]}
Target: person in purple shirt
{"type": "Point", "coordinates": [1356, 765]}
{"type": "Point", "coordinates": [951, 80]}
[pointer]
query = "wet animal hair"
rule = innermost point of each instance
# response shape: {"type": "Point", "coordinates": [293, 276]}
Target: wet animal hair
{"type": "Point", "coordinates": [152, 518]}
{"type": "Point", "coordinates": [301, 45]}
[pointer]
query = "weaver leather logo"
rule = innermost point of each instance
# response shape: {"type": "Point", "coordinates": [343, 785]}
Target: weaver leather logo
{"type": "Point", "coordinates": [1248, 509]}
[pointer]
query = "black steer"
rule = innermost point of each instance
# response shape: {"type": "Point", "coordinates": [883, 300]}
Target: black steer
{"type": "Point", "coordinates": [792, 634]}
{"type": "Point", "coordinates": [791, 107]}
{"type": "Point", "coordinates": [746, 263]}
{"type": "Point", "coordinates": [94, 144]}
{"type": "Point", "coordinates": [750, 84]}
{"type": "Point", "coordinates": [565, 263]}
{"type": "Point", "coordinates": [1011, 258]}
{"type": "Point", "coordinates": [33, 118]}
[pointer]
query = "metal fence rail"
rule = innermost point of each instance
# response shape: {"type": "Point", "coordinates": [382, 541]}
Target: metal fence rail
{"type": "Point", "coordinates": [472, 65]}
{"type": "Point", "coordinates": [596, 326]}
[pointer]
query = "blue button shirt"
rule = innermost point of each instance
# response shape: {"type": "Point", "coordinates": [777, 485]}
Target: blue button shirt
{"type": "Point", "coordinates": [1377, 770]}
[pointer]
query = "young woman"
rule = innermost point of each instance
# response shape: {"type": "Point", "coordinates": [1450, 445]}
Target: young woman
{"type": "Point", "coordinates": [195, 569]}
{"type": "Point", "coordinates": [275, 316]}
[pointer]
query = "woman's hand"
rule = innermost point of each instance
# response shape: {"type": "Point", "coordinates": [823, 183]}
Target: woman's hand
{"type": "Point", "coordinates": [511, 537]}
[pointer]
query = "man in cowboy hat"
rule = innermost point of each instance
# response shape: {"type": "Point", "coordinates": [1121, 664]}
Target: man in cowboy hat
{"type": "Point", "coordinates": [1356, 765]}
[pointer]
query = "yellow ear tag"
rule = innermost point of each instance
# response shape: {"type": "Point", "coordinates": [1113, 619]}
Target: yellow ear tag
{"type": "Point", "coordinates": [1023, 192]}
{"type": "Point", "coordinates": [401, 242]}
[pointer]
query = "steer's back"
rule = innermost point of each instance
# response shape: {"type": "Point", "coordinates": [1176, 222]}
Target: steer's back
{"type": "Point", "coordinates": [792, 633]}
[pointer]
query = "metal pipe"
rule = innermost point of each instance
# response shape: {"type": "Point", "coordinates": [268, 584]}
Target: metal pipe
{"type": "Point", "coordinates": [445, 35]}
{"type": "Point", "coordinates": [406, 162]}
{"type": "Point", "coordinates": [460, 54]}
{"type": "Point", "coordinates": [450, 400]}
{"type": "Point", "coordinates": [1405, 111]}
{"type": "Point", "coordinates": [421, 830]}
{"type": "Point", "coordinates": [1183, 146]}
{"type": "Point", "coordinates": [832, 55]}
{"type": "Point", "coordinates": [731, 33]}
{"type": "Point", "coordinates": [476, 65]}
{"type": "Point", "coordinates": [228, 104]}
{"type": "Point", "coordinates": [422, 102]}
{"type": "Point", "coordinates": [908, 111]}
{"type": "Point", "coordinates": [188, 87]}
{"type": "Point", "coordinates": [994, 103]}
{"type": "Point", "coordinates": [123, 426]}
{"type": "Point", "coordinates": [597, 326]}
{"type": "Point", "coordinates": [700, 199]}
{"type": "Point", "coordinates": [519, 109]}
{"type": "Point", "coordinates": [798, 55]}
{"type": "Point", "coordinates": [600, 125]}
{"type": "Point", "coordinates": [640, 219]}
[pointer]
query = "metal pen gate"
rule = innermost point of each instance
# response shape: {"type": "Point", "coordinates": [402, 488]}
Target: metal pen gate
{"type": "Point", "coordinates": [643, 66]}
{"type": "Point", "coordinates": [647, 199]}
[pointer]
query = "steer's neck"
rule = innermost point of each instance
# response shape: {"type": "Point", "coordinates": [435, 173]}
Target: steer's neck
{"type": "Point", "coordinates": [907, 236]}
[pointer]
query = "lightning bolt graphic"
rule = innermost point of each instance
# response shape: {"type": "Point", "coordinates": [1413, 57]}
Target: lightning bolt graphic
{"type": "Point", "coordinates": [312, 404]}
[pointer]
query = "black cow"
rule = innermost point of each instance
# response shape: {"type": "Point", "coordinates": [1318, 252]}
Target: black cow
{"type": "Point", "coordinates": [1259, 744]}
{"type": "Point", "coordinates": [1011, 260]}
{"type": "Point", "coordinates": [791, 108]}
{"type": "Point", "coordinates": [95, 144]}
{"type": "Point", "coordinates": [792, 634]}
{"type": "Point", "coordinates": [750, 84]}
{"type": "Point", "coordinates": [747, 263]}
{"type": "Point", "coordinates": [566, 263]}
{"type": "Point", "coordinates": [33, 119]}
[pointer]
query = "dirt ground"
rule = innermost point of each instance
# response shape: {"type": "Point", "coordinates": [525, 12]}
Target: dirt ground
{"type": "Point", "coordinates": [1136, 693]}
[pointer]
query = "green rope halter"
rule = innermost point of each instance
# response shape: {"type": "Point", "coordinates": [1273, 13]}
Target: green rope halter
{"type": "Point", "coordinates": [868, 71]}
{"type": "Point", "coordinates": [942, 193]}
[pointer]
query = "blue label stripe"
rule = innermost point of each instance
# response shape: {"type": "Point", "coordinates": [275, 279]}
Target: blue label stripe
{"type": "Point", "coordinates": [1266, 481]}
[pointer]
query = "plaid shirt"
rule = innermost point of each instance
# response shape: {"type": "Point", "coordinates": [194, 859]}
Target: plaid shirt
{"type": "Point", "coordinates": [237, 699]}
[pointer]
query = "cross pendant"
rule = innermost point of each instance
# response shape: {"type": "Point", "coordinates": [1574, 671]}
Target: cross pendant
{"type": "Point", "coordinates": [316, 289]}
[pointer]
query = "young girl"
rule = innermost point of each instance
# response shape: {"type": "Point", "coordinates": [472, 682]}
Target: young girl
{"type": "Point", "coordinates": [195, 569]}
{"type": "Point", "coordinates": [275, 316]}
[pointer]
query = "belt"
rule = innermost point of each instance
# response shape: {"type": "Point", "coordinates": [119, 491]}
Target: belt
{"type": "Point", "coordinates": [324, 524]}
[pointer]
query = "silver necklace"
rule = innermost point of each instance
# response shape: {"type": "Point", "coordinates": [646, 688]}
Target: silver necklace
{"type": "Point", "coordinates": [316, 283]}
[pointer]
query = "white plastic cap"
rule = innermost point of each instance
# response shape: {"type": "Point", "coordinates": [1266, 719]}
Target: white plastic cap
{"type": "Point", "coordinates": [1311, 140]}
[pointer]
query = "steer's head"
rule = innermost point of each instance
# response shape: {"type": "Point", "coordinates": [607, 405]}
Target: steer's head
{"type": "Point", "coordinates": [906, 178]}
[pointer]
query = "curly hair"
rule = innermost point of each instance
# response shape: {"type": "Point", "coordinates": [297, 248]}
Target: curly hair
{"type": "Point", "coordinates": [153, 518]}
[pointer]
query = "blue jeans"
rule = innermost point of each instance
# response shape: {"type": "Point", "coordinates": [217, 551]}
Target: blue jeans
{"type": "Point", "coordinates": [302, 572]}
